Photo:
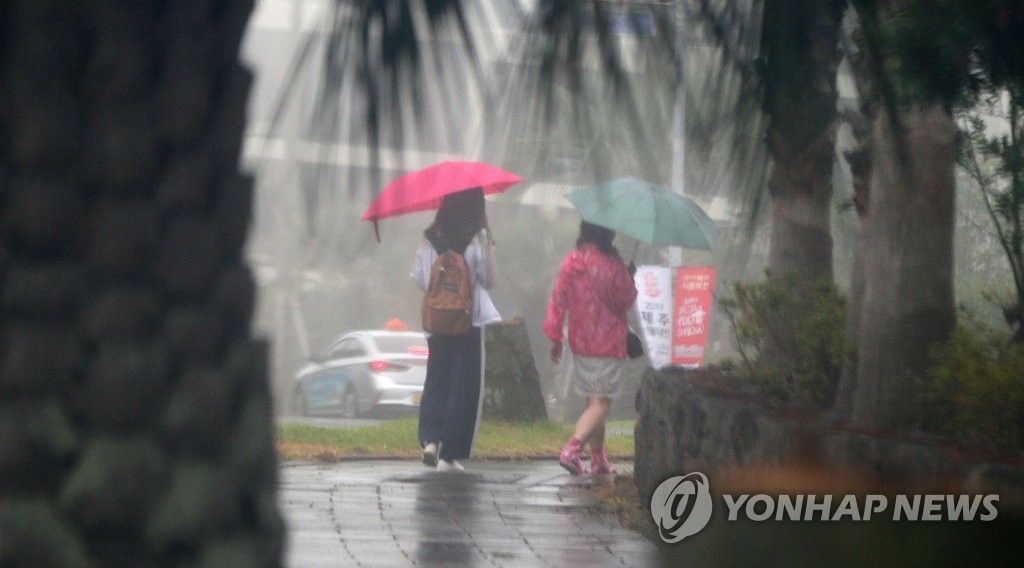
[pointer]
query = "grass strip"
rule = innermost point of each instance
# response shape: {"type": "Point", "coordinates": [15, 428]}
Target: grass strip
{"type": "Point", "coordinates": [397, 439]}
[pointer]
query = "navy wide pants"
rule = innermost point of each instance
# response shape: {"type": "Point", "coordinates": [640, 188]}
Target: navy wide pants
{"type": "Point", "coordinates": [449, 409]}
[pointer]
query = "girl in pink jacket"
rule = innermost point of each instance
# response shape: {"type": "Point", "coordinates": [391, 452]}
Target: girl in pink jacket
{"type": "Point", "coordinates": [595, 289]}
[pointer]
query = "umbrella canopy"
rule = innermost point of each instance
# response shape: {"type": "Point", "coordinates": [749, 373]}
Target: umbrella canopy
{"type": "Point", "coordinates": [647, 212]}
{"type": "Point", "coordinates": [422, 190]}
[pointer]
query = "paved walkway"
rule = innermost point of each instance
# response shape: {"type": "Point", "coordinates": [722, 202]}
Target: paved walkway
{"type": "Point", "coordinates": [400, 513]}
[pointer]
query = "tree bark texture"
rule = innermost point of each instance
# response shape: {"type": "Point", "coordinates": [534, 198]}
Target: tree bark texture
{"type": "Point", "coordinates": [846, 390]}
{"type": "Point", "coordinates": [801, 58]}
{"type": "Point", "coordinates": [859, 159]}
{"type": "Point", "coordinates": [908, 301]}
{"type": "Point", "coordinates": [135, 416]}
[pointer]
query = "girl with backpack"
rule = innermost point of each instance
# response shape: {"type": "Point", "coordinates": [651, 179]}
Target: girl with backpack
{"type": "Point", "coordinates": [452, 392]}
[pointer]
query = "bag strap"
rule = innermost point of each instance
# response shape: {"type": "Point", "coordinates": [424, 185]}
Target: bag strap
{"type": "Point", "coordinates": [586, 274]}
{"type": "Point", "coordinates": [629, 328]}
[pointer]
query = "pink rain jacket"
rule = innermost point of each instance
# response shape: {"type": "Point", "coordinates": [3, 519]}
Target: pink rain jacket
{"type": "Point", "coordinates": [596, 290]}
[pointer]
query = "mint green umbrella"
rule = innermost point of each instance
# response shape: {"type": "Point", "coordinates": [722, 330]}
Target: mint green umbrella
{"type": "Point", "coordinates": [647, 212]}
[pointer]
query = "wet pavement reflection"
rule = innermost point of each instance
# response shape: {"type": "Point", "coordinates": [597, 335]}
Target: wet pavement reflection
{"type": "Point", "coordinates": [400, 513]}
{"type": "Point", "coordinates": [446, 507]}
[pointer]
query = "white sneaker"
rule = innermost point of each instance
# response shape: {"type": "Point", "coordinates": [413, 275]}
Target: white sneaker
{"type": "Point", "coordinates": [430, 454]}
{"type": "Point", "coordinates": [445, 465]}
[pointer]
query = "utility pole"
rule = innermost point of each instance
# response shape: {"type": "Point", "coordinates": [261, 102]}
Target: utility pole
{"type": "Point", "coordinates": [675, 254]}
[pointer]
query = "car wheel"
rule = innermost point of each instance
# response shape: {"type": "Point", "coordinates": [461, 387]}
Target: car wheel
{"type": "Point", "coordinates": [299, 407]}
{"type": "Point", "coordinates": [349, 407]}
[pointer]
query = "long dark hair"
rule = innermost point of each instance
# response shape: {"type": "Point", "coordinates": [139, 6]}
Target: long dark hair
{"type": "Point", "coordinates": [598, 235]}
{"type": "Point", "coordinates": [460, 217]}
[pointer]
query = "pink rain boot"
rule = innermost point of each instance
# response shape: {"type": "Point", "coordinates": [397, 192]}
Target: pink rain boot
{"type": "Point", "coordinates": [570, 457]}
{"type": "Point", "coordinates": [599, 462]}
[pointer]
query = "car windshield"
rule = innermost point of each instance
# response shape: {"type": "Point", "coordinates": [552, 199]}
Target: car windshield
{"type": "Point", "coordinates": [405, 344]}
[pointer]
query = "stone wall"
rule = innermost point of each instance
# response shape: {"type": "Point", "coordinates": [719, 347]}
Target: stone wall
{"type": "Point", "coordinates": [695, 422]}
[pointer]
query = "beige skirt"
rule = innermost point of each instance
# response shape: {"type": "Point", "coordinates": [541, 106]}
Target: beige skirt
{"type": "Point", "coordinates": [597, 376]}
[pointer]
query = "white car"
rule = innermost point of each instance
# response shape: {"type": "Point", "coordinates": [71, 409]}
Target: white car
{"type": "Point", "coordinates": [364, 373]}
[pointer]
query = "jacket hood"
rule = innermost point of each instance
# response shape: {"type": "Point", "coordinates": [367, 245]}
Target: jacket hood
{"type": "Point", "coordinates": [577, 262]}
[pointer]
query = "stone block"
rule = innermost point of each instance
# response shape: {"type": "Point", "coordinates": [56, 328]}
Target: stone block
{"type": "Point", "coordinates": [511, 381]}
{"type": "Point", "coordinates": [683, 428]}
{"type": "Point", "coordinates": [691, 424]}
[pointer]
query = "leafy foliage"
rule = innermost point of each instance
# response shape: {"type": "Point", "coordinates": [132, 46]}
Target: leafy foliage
{"type": "Point", "coordinates": [992, 153]}
{"type": "Point", "coordinates": [790, 337]}
{"type": "Point", "coordinates": [974, 390]}
{"type": "Point", "coordinates": [941, 50]}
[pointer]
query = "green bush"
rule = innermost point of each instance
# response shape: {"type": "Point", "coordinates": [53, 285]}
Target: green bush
{"type": "Point", "coordinates": [790, 337]}
{"type": "Point", "coordinates": [974, 391]}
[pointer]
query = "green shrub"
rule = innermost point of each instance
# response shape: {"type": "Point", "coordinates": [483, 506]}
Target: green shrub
{"type": "Point", "coordinates": [790, 337]}
{"type": "Point", "coordinates": [974, 391]}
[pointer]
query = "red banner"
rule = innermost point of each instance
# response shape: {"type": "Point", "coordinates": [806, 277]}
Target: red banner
{"type": "Point", "coordinates": [692, 314]}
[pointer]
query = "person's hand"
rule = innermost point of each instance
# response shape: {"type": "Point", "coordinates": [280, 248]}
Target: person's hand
{"type": "Point", "coordinates": [556, 351]}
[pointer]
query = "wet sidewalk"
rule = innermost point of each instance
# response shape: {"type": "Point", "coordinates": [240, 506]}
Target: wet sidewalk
{"type": "Point", "coordinates": [497, 513]}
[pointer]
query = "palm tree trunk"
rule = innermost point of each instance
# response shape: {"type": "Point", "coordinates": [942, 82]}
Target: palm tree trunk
{"type": "Point", "coordinates": [135, 415]}
{"type": "Point", "coordinates": [800, 42]}
{"type": "Point", "coordinates": [908, 301]}
{"type": "Point", "coordinates": [801, 229]}
{"type": "Point", "coordinates": [800, 49]}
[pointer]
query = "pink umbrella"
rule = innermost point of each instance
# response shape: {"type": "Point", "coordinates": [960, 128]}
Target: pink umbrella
{"type": "Point", "coordinates": [422, 190]}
